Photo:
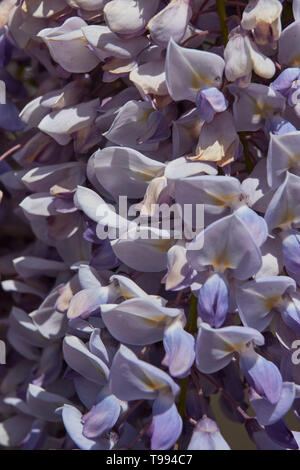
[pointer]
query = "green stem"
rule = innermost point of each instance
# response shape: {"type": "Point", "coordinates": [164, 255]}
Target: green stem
{"type": "Point", "coordinates": [221, 9]}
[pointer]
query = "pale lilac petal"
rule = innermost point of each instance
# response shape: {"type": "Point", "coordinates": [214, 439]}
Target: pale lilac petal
{"type": "Point", "coordinates": [207, 436]}
{"type": "Point", "coordinates": [79, 358]}
{"type": "Point", "coordinates": [72, 419]}
{"type": "Point", "coordinates": [43, 404]}
{"type": "Point", "coordinates": [67, 46]}
{"type": "Point", "coordinates": [138, 321]}
{"type": "Point", "coordinates": [213, 301]}
{"type": "Point", "coordinates": [268, 413]}
{"type": "Point", "coordinates": [226, 244]}
{"type": "Point", "coordinates": [170, 22]}
{"type": "Point", "coordinates": [101, 418]}
{"type": "Point", "coordinates": [133, 379]}
{"type": "Point", "coordinates": [258, 299]}
{"type": "Point", "coordinates": [180, 350]}
{"type": "Point", "coordinates": [262, 375]}
{"type": "Point", "coordinates": [166, 424]}
{"type": "Point", "coordinates": [190, 70]}
{"type": "Point", "coordinates": [215, 347]}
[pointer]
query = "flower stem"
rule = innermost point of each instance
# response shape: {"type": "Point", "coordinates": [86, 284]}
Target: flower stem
{"type": "Point", "coordinates": [226, 395]}
{"type": "Point", "coordinates": [202, 398]}
{"type": "Point", "coordinates": [221, 9]}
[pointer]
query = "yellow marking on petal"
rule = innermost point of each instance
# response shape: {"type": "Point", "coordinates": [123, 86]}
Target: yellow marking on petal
{"type": "Point", "coordinates": [157, 322]}
{"type": "Point", "coordinates": [287, 218]}
{"type": "Point", "coordinates": [272, 301]}
{"type": "Point", "coordinates": [231, 348]}
{"type": "Point", "coordinates": [295, 62]}
{"type": "Point", "coordinates": [148, 175]}
{"type": "Point", "coordinates": [194, 131]}
{"type": "Point", "coordinates": [163, 245]}
{"type": "Point", "coordinates": [98, 368]}
{"type": "Point", "coordinates": [197, 81]}
{"type": "Point", "coordinates": [126, 294]}
{"type": "Point", "coordinates": [264, 110]}
{"type": "Point", "coordinates": [224, 200]}
{"type": "Point", "coordinates": [153, 385]}
{"type": "Point", "coordinates": [292, 160]}
{"type": "Point", "coordinates": [144, 116]}
{"type": "Point", "coordinates": [221, 262]}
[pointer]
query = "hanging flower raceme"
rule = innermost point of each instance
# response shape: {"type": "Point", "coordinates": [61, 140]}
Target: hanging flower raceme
{"type": "Point", "coordinates": [149, 211]}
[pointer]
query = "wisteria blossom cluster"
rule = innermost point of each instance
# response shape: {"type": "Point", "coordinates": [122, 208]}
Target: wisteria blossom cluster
{"type": "Point", "coordinates": [143, 340]}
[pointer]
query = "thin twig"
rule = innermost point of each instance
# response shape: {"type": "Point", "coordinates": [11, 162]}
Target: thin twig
{"type": "Point", "coordinates": [10, 151]}
{"type": "Point", "coordinates": [200, 11]}
{"type": "Point", "coordinates": [202, 399]}
{"type": "Point", "coordinates": [139, 436]}
{"type": "Point", "coordinates": [225, 394]}
{"type": "Point", "coordinates": [199, 33]}
{"type": "Point", "coordinates": [130, 411]}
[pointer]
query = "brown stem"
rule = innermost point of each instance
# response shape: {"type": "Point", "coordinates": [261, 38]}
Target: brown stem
{"type": "Point", "coordinates": [200, 393]}
{"type": "Point", "coordinates": [10, 151]}
{"type": "Point", "coordinates": [225, 394]}
{"type": "Point", "coordinates": [209, 10]}
{"type": "Point", "coordinates": [200, 33]}
{"type": "Point", "coordinates": [200, 11]}
{"type": "Point", "coordinates": [130, 411]}
{"type": "Point", "coordinates": [139, 436]}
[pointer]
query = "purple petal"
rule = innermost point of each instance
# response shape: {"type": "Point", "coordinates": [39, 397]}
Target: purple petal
{"type": "Point", "coordinates": [9, 117]}
{"type": "Point", "coordinates": [213, 300]}
{"type": "Point", "coordinates": [80, 359]}
{"type": "Point", "coordinates": [102, 417]}
{"type": "Point", "coordinates": [279, 126]}
{"type": "Point", "coordinates": [261, 374]}
{"type": "Point", "coordinates": [281, 435]}
{"type": "Point", "coordinates": [166, 424]}
{"type": "Point", "coordinates": [210, 101]}
{"type": "Point", "coordinates": [207, 436]}
{"type": "Point", "coordinates": [284, 82]}
{"type": "Point", "coordinates": [267, 413]}
{"type": "Point", "coordinates": [290, 312]}
{"type": "Point", "coordinates": [180, 350]}
{"type": "Point", "coordinates": [255, 223]}
{"type": "Point", "coordinates": [72, 419]}
{"type": "Point", "coordinates": [133, 379]}
{"type": "Point", "coordinates": [85, 302]}
{"type": "Point", "coordinates": [291, 251]}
